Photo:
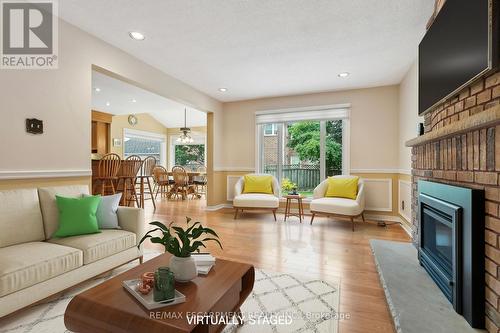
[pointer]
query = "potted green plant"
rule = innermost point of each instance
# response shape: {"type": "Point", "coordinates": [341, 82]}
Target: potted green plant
{"type": "Point", "coordinates": [181, 242]}
{"type": "Point", "coordinates": [288, 186]}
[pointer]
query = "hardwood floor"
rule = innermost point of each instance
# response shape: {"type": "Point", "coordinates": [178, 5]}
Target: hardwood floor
{"type": "Point", "coordinates": [326, 249]}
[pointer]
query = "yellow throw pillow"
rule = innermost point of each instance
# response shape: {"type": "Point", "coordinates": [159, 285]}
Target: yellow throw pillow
{"type": "Point", "coordinates": [258, 184]}
{"type": "Point", "coordinates": [342, 187]}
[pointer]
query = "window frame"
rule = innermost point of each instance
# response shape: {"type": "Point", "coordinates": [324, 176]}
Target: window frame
{"type": "Point", "coordinates": [128, 132]}
{"type": "Point", "coordinates": [285, 116]}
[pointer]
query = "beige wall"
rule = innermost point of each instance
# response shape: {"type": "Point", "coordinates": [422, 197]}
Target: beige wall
{"type": "Point", "coordinates": [374, 126]}
{"type": "Point", "coordinates": [62, 99]}
{"type": "Point", "coordinates": [408, 115]}
{"type": "Point", "coordinates": [145, 122]}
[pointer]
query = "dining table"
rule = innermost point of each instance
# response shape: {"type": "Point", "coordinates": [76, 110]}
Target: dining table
{"type": "Point", "coordinates": [191, 175]}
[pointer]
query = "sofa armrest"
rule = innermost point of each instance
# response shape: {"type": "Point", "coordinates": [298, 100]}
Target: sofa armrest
{"type": "Point", "coordinates": [238, 187]}
{"type": "Point", "coordinates": [360, 198]}
{"type": "Point", "coordinates": [132, 219]}
{"type": "Point", "coordinates": [320, 190]}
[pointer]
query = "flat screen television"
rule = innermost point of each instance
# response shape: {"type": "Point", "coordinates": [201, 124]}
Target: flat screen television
{"type": "Point", "coordinates": [460, 46]}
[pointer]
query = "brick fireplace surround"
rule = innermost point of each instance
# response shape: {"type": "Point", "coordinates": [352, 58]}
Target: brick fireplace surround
{"type": "Point", "coordinates": [461, 147]}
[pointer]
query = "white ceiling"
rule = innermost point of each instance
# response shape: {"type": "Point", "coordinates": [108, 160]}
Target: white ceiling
{"type": "Point", "coordinates": [120, 95]}
{"type": "Point", "coordinates": [260, 48]}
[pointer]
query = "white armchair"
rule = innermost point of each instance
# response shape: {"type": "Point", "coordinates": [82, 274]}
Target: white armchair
{"type": "Point", "coordinates": [255, 201]}
{"type": "Point", "coordinates": [343, 207]}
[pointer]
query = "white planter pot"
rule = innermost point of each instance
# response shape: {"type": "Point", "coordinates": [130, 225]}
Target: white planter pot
{"type": "Point", "coordinates": [184, 269]}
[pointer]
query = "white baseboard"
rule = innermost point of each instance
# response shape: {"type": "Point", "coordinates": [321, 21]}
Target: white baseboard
{"type": "Point", "coordinates": [218, 207]}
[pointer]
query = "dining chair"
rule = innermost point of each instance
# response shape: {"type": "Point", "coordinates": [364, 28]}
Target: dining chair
{"type": "Point", "coordinates": [200, 181]}
{"type": "Point", "coordinates": [161, 181]}
{"type": "Point", "coordinates": [107, 172]}
{"type": "Point", "coordinates": [148, 164]}
{"type": "Point", "coordinates": [130, 169]}
{"type": "Point", "coordinates": [181, 183]}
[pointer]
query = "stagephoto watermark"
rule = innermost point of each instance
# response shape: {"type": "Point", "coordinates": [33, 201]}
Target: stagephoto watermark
{"type": "Point", "coordinates": [249, 318]}
{"type": "Point", "coordinates": [29, 35]}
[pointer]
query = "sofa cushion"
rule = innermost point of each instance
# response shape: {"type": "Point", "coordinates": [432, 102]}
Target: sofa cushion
{"type": "Point", "coordinates": [77, 216]}
{"type": "Point", "coordinates": [20, 217]}
{"type": "Point", "coordinates": [99, 246]}
{"type": "Point", "coordinates": [24, 265]}
{"type": "Point", "coordinates": [48, 204]}
{"type": "Point", "coordinates": [339, 206]}
{"type": "Point", "coordinates": [256, 200]}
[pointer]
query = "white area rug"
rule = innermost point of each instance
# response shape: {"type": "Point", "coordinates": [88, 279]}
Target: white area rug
{"type": "Point", "coordinates": [279, 303]}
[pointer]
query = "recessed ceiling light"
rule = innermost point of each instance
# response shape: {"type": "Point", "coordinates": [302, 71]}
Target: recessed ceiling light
{"type": "Point", "coordinates": [97, 89]}
{"type": "Point", "coordinates": [108, 103]}
{"type": "Point", "coordinates": [344, 74]}
{"type": "Point", "coordinates": [133, 100]}
{"type": "Point", "coordinates": [222, 89]}
{"type": "Point", "coordinates": [136, 35]}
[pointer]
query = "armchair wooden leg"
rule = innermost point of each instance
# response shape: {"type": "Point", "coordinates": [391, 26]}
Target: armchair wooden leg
{"type": "Point", "coordinates": [352, 221]}
{"type": "Point", "coordinates": [235, 213]}
{"type": "Point", "coordinates": [141, 259]}
{"type": "Point", "coordinates": [363, 216]}
{"type": "Point", "coordinates": [312, 218]}
{"type": "Point", "coordinates": [274, 213]}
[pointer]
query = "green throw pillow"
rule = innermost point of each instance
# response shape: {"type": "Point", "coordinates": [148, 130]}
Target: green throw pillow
{"type": "Point", "coordinates": [77, 216]}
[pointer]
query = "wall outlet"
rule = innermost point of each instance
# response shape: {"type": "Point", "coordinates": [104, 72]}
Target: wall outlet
{"type": "Point", "coordinates": [34, 126]}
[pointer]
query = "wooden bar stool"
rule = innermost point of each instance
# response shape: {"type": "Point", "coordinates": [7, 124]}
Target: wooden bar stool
{"type": "Point", "coordinates": [107, 172]}
{"type": "Point", "coordinates": [147, 167]}
{"type": "Point", "coordinates": [129, 170]}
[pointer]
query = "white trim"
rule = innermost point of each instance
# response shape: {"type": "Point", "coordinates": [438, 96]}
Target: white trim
{"type": "Point", "coordinates": [378, 171]}
{"type": "Point", "coordinates": [145, 134]}
{"type": "Point", "coordinates": [305, 108]}
{"type": "Point", "coordinates": [218, 207]}
{"type": "Point", "coordinates": [407, 183]}
{"type": "Point", "coordinates": [381, 180]}
{"type": "Point", "coordinates": [235, 169]}
{"type": "Point", "coordinates": [390, 218]}
{"type": "Point", "coordinates": [405, 171]}
{"type": "Point", "coordinates": [30, 174]}
{"type": "Point", "coordinates": [346, 144]}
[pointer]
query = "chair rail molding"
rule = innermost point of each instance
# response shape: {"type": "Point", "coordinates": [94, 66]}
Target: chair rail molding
{"type": "Point", "coordinates": [29, 174]}
{"type": "Point", "coordinates": [234, 169]}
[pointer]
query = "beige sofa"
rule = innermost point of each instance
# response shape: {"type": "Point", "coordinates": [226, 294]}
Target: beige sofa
{"type": "Point", "coordinates": [33, 265]}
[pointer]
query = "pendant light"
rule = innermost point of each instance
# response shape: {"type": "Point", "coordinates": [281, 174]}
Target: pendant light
{"type": "Point", "coordinates": [185, 137]}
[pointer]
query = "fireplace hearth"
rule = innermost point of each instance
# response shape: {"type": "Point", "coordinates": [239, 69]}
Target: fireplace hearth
{"type": "Point", "coordinates": [451, 245]}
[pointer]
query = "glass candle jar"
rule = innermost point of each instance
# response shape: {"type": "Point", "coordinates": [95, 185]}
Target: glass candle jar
{"type": "Point", "coordinates": [164, 285]}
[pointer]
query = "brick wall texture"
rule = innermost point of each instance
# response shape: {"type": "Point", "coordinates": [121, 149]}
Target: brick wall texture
{"type": "Point", "coordinates": [472, 160]}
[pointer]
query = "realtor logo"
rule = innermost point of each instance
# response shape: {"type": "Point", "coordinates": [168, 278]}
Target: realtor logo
{"type": "Point", "coordinates": [29, 34]}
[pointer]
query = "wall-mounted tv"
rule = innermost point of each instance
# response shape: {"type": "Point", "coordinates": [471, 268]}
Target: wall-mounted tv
{"type": "Point", "coordinates": [460, 46]}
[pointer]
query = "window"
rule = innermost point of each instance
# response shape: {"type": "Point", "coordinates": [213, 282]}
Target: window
{"type": "Point", "coordinates": [303, 151]}
{"type": "Point", "coordinates": [144, 144]}
{"type": "Point", "coordinates": [190, 155]}
{"type": "Point", "coordinates": [270, 129]}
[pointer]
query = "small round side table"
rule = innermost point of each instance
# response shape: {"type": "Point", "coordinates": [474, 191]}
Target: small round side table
{"type": "Point", "coordinates": [289, 199]}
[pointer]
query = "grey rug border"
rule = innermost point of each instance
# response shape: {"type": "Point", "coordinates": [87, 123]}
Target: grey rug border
{"type": "Point", "coordinates": [392, 308]}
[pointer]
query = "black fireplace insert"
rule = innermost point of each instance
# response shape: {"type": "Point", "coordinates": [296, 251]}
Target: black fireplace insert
{"type": "Point", "coordinates": [451, 245]}
{"type": "Point", "coordinates": [440, 245]}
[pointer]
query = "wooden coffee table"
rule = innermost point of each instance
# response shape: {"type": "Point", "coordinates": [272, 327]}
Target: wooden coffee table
{"type": "Point", "coordinates": [108, 307]}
